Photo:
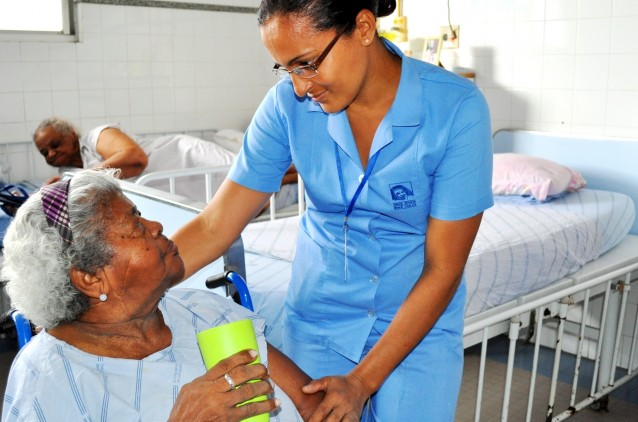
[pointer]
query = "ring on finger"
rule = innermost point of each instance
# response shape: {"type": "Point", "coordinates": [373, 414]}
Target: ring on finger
{"type": "Point", "coordinates": [230, 381]}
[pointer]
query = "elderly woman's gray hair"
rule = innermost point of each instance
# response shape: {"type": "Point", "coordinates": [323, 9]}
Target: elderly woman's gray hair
{"type": "Point", "coordinates": [37, 260]}
{"type": "Point", "coordinates": [61, 126]}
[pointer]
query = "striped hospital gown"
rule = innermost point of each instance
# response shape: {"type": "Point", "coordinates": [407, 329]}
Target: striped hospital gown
{"type": "Point", "coordinates": [53, 381]}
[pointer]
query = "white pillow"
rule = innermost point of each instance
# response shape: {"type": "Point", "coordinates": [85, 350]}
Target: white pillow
{"type": "Point", "coordinates": [525, 175]}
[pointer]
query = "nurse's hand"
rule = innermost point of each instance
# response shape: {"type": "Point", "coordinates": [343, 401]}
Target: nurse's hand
{"type": "Point", "coordinates": [344, 400]}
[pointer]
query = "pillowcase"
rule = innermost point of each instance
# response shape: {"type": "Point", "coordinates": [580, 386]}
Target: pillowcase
{"type": "Point", "coordinates": [525, 175]}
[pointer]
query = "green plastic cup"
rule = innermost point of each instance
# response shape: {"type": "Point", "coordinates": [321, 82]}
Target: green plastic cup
{"type": "Point", "coordinates": [220, 342]}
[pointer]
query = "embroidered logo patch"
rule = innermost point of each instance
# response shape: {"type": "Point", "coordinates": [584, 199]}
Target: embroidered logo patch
{"type": "Point", "coordinates": [402, 195]}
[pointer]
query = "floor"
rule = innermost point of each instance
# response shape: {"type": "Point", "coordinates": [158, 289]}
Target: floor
{"type": "Point", "coordinates": [623, 403]}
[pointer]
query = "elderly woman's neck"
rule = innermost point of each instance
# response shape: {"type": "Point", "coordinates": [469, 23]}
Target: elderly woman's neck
{"type": "Point", "coordinates": [134, 339]}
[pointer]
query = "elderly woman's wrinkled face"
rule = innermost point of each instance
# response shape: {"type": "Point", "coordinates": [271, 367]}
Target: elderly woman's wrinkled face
{"type": "Point", "coordinates": [59, 150]}
{"type": "Point", "coordinates": [145, 263]}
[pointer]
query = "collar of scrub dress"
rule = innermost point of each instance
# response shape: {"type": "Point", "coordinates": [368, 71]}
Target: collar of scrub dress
{"type": "Point", "coordinates": [348, 207]}
{"type": "Point", "coordinates": [55, 204]}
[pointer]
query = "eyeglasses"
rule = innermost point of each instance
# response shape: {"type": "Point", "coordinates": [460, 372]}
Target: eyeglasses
{"type": "Point", "coordinates": [309, 70]}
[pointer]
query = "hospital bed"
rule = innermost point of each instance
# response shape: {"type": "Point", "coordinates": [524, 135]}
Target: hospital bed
{"type": "Point", "coordinates": [205, 181]}
{"type": "Point", "coordinates": [557, 274]}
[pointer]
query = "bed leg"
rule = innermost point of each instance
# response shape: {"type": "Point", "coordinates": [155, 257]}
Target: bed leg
{"type": "Point", "coordinates": [515, 324]}
{"type": "Point", "coordinates": [562, 315]}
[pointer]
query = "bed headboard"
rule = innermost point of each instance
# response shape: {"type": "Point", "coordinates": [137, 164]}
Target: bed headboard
{"type": "Point", "coordinates": [606, 163]}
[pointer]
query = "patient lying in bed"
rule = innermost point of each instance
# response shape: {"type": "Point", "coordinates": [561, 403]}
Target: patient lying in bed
{"type": "Point", "coordinates": [108, 146]}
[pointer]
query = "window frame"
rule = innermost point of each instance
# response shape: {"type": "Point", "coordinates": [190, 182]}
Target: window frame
{"type": "Point", "coordinates": [69, 13]}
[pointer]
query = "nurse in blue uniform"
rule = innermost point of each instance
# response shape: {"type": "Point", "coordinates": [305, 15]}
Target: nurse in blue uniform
{"type": "Point", "coordinates": [396, 157]}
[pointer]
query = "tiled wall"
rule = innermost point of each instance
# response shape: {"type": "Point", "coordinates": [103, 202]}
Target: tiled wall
{"type": "Point", "coordinates": [152, 69]}
{"type": "Point", "coordinates": [552, 65]}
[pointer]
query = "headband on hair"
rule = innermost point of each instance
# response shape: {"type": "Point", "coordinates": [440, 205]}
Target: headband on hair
{"type": "Point", "coordinates": [55, 204]}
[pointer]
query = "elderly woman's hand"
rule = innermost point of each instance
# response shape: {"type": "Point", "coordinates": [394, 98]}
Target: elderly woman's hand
{"type": "Point", "coordinates": [210, 397]}
{"type": "Point", "coordinates": [344, 400]}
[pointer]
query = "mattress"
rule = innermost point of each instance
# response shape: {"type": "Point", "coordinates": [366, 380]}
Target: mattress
{"type": "Point", "coordinates": [521, 246]}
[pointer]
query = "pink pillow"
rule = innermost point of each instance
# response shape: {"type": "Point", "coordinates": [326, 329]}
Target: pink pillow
{"type": "Point", "coordinates": [525, 175]}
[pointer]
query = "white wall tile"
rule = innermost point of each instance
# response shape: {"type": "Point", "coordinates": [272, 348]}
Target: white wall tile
{"type": "Point", "coordinates": [529, 10]}
{"type": "Point", "coordinates": [497, 11]}
{"type": "Point", "coordinates": [162, 74]}
{"type": "Point", "coordinates": [34, 76]}
{"type": "Point", "coordinates": [184, 74]}
{"type": "Point", "coordinates": [62, 52]}
{"type": "Point", "coordinates": [11, 80]}
{"type": "Point", "coordinates": [141, 101]}
{"type": "Point", "coordinates": [595, 8]}
{"type": "Point", "coordinates": [185, 100]}
{"type": "Point", "coordinates": [163, 101]}
{"type": "Point", "coordinates": [500, 103]}
{"type": "Point", "coordinates": [90, 75]}
{"type": "Point", "coordinates": [593, 36]}
{"type": "Point", "coordinates": [561, 9]}
{"type": "Point", "coordinates": [138, 20]}
{"type": "Point", "coordinates": [556, 106]}
{"type": "Point", "coordinates": [37, 105]}
{"type": "Point", "coordinates": [113, 19]}
{"type": "Point", "coordinates": [116, 75]}
{"type": "Point", "coordinates": [624, 33]}
{"type": "Point", "coordinates": [591, 71]}
{"type": "Point", "coordinates": [34, 52]}
{"type": "Point", "coordinates": [622, 72]}
{"type": "Point", "coordinates": [114, 47]}
{"type": "Point", "coordinates": [162, 48]}
{"type": "Point", "coordinates": [117, 102]}
{"type": "Point", "coordinates": [625, 8]}
{"type": "Point", "coordinates": [10, 52]}
{"type": "Point", "coordinates": [528, 71]}
{"type": "Point", "coordinates": [11, 107]}
{"type": "Point", "coordinates": [138, 47]}
{"type": "Point", "coordinates": [66, 104]}
{"type": "Point", "coordinates": [589, 107]}
{"type": "Point", "coordinates": [12, 132]}
{"type": "Point", "coordinates": [184, 48]}
{"type": "Point", "coordinates": [90, 17]}
{"type": "Point", "coordinates": [526, 106]}
{"type": "Point", "coordinates": [161, 21]}
{"type": "Point", "coordinates": [622, 108]}
{"type": "Point", "coordinates": [92, 104]}
{"type": "Point", "coordinates": [139, 74]}
{"type": "Point", "coordinates": [560, 37]}
{"type": "Point", "coordinates": [558, 71]}
{"type": "Point", "coordinates": [528, 37]}
{"type": "Point", "coordinates": [90, 47]}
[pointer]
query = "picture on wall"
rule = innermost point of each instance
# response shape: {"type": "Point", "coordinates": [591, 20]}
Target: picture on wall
{"type": "Point", "coordinates": [432, 50]}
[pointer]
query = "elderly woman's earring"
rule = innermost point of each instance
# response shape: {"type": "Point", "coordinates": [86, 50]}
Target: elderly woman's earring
{"type": "Point", "coordinates": [103, 297]}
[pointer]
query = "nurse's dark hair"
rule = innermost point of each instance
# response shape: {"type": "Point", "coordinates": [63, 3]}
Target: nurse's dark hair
{"type": "Point", "coordinates": [325, 14]}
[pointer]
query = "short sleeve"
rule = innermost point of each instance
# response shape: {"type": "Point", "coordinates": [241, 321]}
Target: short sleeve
{"type": "Point", "coordinates": [462, 181]}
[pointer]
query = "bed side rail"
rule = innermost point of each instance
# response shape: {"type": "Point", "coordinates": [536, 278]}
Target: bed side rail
{"type": "Point", "coordinates": [549, 313]}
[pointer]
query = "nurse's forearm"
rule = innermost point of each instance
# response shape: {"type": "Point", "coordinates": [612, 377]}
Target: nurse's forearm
{"type": "Point", "coordinates": [447, 247]}
{"type": "Point", "coordinates": [206, 237]}
{"type": "Point", "coordinates": [418, 314]}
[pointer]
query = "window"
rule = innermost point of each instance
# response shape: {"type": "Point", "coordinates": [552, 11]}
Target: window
{"type": "Point", "coordinates": [33, 17]}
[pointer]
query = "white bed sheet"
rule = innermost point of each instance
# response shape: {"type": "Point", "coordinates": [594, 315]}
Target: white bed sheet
{"type": "Point", "coordinates": [521, 247]}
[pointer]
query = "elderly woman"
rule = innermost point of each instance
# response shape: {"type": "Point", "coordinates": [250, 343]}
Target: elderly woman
{"type": "Point", "coordinates": [62, 146]}
{"type": "Point", "coordinates": [83, 264]}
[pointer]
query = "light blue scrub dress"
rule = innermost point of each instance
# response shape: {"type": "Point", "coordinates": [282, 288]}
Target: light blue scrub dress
{"type": "Point", "coordinates": [433, 157]}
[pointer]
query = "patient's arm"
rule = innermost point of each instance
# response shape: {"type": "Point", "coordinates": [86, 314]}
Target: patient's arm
{"type": "Point", "coordinates": [120, 151]}
{"type": "Point", "coordinates": [287, 375]}
{"type": "Point", "coordinates": [206, 237]}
